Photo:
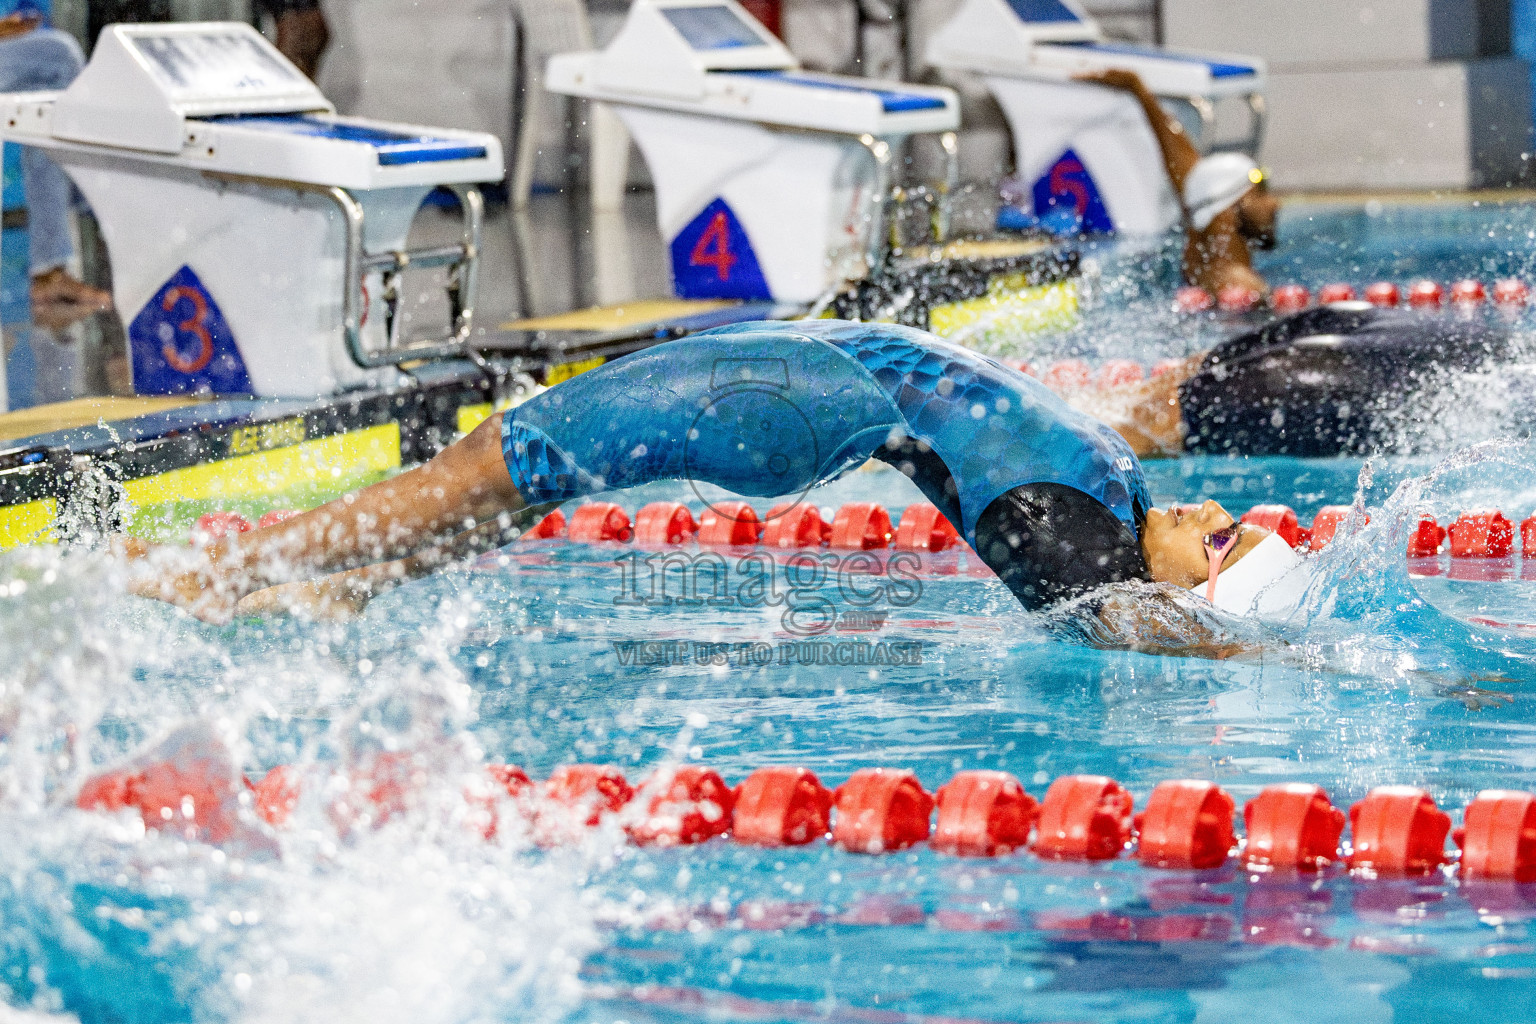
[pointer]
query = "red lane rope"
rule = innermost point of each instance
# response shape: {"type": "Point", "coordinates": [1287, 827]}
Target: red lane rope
{"type": "Point", "coordinates": [865, 526]}
{"type": "Point", "coordinates": [1186, 824]}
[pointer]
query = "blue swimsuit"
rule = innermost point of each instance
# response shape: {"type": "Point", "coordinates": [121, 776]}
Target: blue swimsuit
{"type": "Point", "coordinates": [769, 409]}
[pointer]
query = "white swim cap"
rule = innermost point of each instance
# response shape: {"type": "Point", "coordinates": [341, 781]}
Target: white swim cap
{"type": "Point", "coordinates": [1268, 582]}
{"type": "Point", "coordinates": [1216, 183]}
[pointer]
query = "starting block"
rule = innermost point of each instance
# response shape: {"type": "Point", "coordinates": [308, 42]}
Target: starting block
{"type": "Point", "coordinates": [257, 238]}
{"type": "Point", "coordinates": [1079, 145]}
{"type": "Point", "coordinates": [771, 181]}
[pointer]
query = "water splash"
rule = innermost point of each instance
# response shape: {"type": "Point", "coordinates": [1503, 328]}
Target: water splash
{"type": "Point", "coordinates": [414, 918]}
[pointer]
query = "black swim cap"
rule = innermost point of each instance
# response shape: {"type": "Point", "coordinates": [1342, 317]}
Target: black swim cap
{"type": "Point", "coordinates": [1050, 543]}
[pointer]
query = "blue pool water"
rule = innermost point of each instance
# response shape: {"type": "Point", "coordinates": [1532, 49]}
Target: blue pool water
{"type": "Point", "coordinates": [519, 659]}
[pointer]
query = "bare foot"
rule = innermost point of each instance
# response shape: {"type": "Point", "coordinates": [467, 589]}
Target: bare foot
{"type": "Point", "coordinates": [59, 300]}
{"type": "Point", "coordinates": [325, 600]}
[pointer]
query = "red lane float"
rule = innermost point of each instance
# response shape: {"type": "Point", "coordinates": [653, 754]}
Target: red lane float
{"type": "Point", "coordinates": [1326, 523]}
{"type": "Point", "coordinates": [1468, 292]}
{"type": "Point", "coordinates": [599, 522]}
{"type": "Point", "coordinates": [1426, 294]}
{"type": "Point", "coordinates": [729, 524]}
{"type": "Point", "coordinates": [687, 805]}
{"type": "Point", "coordinates": [1068, 375]}
{"type": "Point", "coordinates": [506, 779]}
{"type": "Point", "coordinates": [1384, 293]}
{"type": "Point", "coordinates": [1336, 293]}
{"type": "Point", "coordinates": [216, 525]}
{"type": "Point", "coordinates": [1498, 839]}
{"type": "Point", "coordinates": [277, 515]}
{"type": "Point", "coordinates": [861, 526]}
{"type": "Point", "coordinates": [276, 795]}
{"type": "Point", "coordinates": [1511, 291]}
{"type": "Point", "coordinates": [924, 528]}
{"type": "Point", "coordinates": [596, 789]}
{"type": "Point", "coordinates": [550, 527]}
{"type": "Point", "coordinates": [881, 809]}
{"type": "Point", "coordinates": [794, 527]}
{"type": "Point", "coordinates": [1292, 826]}
{"type": "Point", "coordinates": [1277, 519]}
{"type": "Point", "coordinates": [664, 524]}
{"type": "Point", "coordinates": [1163, 366]}
{"type": "Point", "coordinates": [781, 806]}
{"type": "Point", "coordinates": [1119, 373]}
{"type": "Point", "coordinates": [381, 787]}
{"type": "Point", "coordinates": [1426, 538]}
{"type": "Point", "coordinates": [1238, 298]}
{"type": "Point", "coordinates": [511, 778]}
{"type": "Point", "coordinates": [1290, 298]}
{"type": "Point", "coordinates": [983, 814]}
{"type": "Point", "coordinates": [1397, 830]}
{"type": "Point", "coordinates": [867, 526]}
{"type": "Point", "coordinates": [1187, 824]}
{"type": "Point", "coordinates": [188, 787]}
{"type": "Point", "coordinates": [1084, 817]}
{"type": "Point", "coordinates": [1484, 534]}
{"type": "Point", "coordinates": [1190, 299]}
{"type": "Point", "coordinates": [378, 792]}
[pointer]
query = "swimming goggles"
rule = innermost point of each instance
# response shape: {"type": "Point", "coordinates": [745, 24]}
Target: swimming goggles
{"type": "Point", "coordinates": [1217, 543]}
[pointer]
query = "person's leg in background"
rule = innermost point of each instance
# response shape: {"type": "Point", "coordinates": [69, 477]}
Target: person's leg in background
{"type": "Point", "coordinates": [43, 58]}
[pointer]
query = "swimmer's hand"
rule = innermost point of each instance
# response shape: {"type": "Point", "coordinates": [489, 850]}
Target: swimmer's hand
{"type": "Point", "coordinates": [200, 581]}
{"type": "Point", "coordinates": [1474, 697]}
{"type": "Point", "coordinates": [201, 591]}
{"type": "Point", "coordinates": [1115, 78]}
{"type": "Point", "coordinates": [19, 23]}
{"type": "Point", "coordinates": [128, 548]}
{"type": "Point", "coordinates": [326, 600]}
{"type": "Point", "coordinates": [337, 597]}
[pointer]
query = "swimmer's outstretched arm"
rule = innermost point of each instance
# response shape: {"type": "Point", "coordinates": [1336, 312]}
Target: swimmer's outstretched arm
{"type": "Point", "coordinates": [1216, 256]}
{"type": "Point", "coordinates": [1146, 414]}
{"type": "Point", "coordinates": [1162, 619]}
{"type": "Point", "coordinates": [1179, 154]}
{"type": "Point", "coordinates": [345, 594]}
{"type": "Point", "coordinates": [465, 485]}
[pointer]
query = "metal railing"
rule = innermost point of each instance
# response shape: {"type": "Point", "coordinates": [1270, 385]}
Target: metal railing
{"type": "Point", "coordinates": [462, 260]}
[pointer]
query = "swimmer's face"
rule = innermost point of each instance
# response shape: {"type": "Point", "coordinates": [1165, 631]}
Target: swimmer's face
{"type": "Point", "coordinates": [1257, 212]}
{"type": "Point", "coordinates": [1173, 542]}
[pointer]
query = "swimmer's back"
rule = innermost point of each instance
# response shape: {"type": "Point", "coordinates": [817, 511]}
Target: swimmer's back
{"type": "Point", "coordinates": [1050, 499]}
{"type": "Point", "coordinates": [994, 428]}
{"type": "Point", "coordinates": [1326, 381]}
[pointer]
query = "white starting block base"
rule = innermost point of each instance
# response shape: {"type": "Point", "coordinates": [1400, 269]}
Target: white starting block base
{"type": "Point", "coordinates": [237, 240]}
{"type": "Point", "coordinates": [1083, 146]}
{"type": "Point", "coordinates": [751, 213]}
{"type": "Point", "coordinates": [770, 181]}
{"type": "Point", "coordinates": [1088, 147]}
{"type": "Point", "coordinates": [257, 239]}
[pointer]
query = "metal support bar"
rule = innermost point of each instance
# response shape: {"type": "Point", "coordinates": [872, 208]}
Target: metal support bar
{"type": "Point", "coordinates": [874, 255]}
{"type": "Point", "coordinates": [462, 259]}
{"type": "Point", "coordinates": [1207, 113]}
{"type": "Point", "coordinates": [943, 210]}
{"type": "Point", "coordinates": [1205, 109]}
{"type": "Point", "coordinates": [1260, 110]}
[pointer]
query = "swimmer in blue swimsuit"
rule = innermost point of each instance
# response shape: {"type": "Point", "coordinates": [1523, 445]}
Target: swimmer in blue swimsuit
{"type": "Point", "coordinates": [1052, 500]}
{"type": "Point", "coordinates": [1049, 498]}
